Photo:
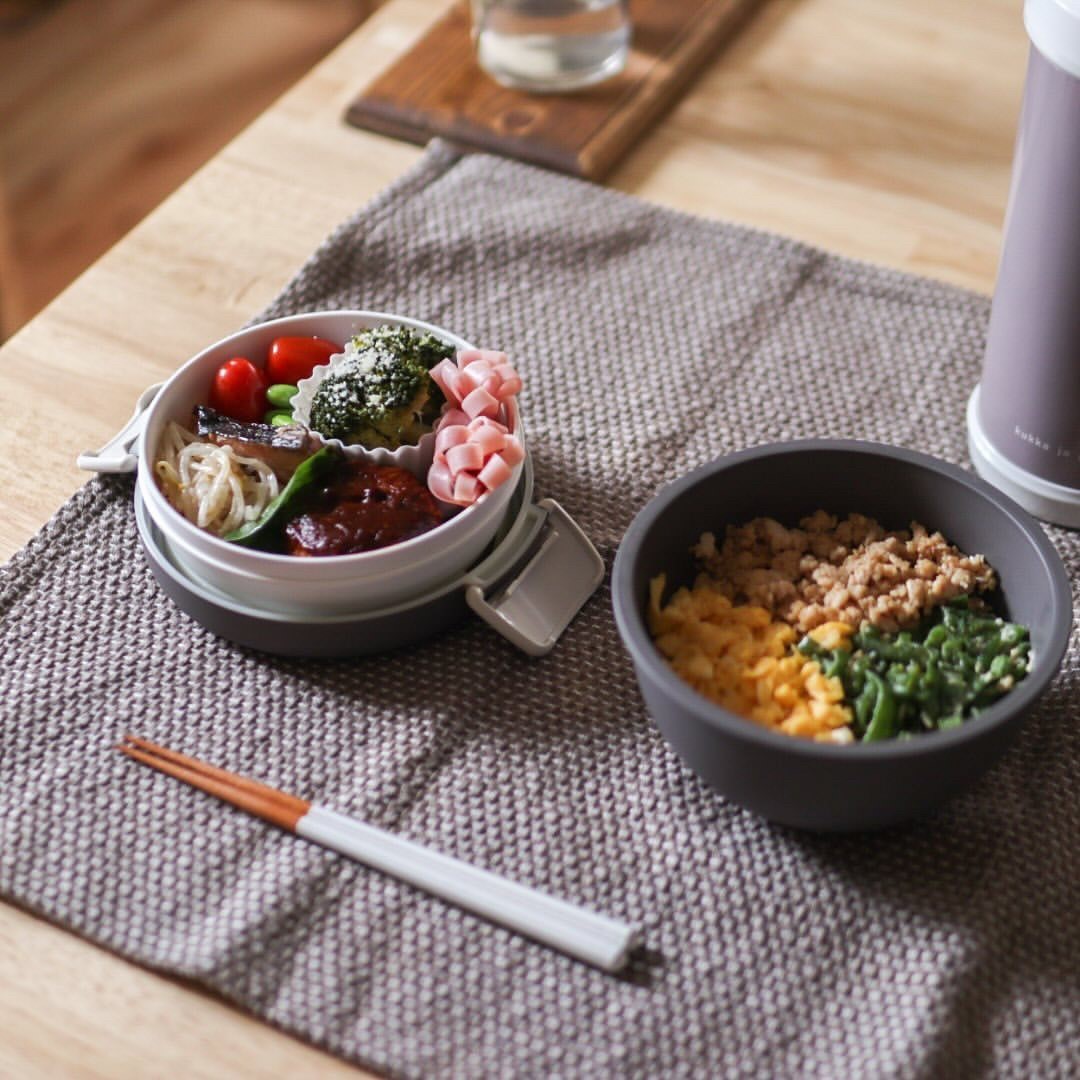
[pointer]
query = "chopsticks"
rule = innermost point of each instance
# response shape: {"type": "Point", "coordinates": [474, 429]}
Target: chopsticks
{"type": "Point", "coordinates": [605, 943]}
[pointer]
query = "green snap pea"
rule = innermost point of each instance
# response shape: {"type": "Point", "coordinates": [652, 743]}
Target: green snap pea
{"type": "Point", "coordinates": [262, 532]}
{"type": "Point", "coordinates": [279, 417]}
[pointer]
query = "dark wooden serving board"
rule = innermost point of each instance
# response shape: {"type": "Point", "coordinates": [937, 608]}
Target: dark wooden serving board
{"type": "Point", "coordinates": [437, 88]}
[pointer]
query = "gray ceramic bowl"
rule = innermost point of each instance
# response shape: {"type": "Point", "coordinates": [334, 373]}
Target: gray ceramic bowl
{"type": "Point", "coordinates": [816, 785]}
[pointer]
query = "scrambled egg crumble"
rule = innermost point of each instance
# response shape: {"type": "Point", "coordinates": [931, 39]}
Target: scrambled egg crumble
{"type": "Point", "coordinates": [745, 661]}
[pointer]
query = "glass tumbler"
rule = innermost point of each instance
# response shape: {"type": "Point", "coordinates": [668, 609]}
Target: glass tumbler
{"type": "Point", "coordinates": [546, 46]}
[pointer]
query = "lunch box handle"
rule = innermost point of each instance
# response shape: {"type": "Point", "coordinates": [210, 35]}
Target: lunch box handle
{"type": "Point", "coordinates": [560, 570]}
{"type": "Point", "coordinates": [116, 456]}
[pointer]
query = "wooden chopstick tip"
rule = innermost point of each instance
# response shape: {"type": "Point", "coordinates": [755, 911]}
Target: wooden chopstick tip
{"type": "Point", "coordinates": [256, 798]}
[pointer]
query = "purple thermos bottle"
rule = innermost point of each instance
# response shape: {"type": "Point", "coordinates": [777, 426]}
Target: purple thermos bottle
{"type": "Point", "coordinates": [1024, 417]}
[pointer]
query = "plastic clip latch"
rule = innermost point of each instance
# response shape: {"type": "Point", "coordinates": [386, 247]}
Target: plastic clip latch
{"type": "Point", "coordinates": [536, 606]}
{"type": "Point", "coordinates": [116, 456]}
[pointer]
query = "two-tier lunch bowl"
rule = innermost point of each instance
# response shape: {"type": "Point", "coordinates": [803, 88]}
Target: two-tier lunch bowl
{"type": "Point", "coordinates": [523, 566]}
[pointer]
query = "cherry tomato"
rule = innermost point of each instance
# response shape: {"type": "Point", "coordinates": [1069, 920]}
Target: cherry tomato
{"type": "Point", "coordinates": [239, 390]}
{"type": "Point", "coordinates": [294, 358]}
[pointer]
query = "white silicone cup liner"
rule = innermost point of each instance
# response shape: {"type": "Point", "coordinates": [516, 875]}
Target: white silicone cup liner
{"type": "Point", "coordinates": [417, 459]}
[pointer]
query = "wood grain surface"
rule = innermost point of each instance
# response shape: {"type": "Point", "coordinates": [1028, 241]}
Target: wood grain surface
{"type": "Point", "coordinates": [880, 130]}
{"type": "Point", "coordinates": [107, 105]}
{"type": "Point", "coordinates": [438, 89]}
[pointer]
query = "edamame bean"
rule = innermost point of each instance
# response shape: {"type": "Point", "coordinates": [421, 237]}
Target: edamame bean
{"type": "Point", "coordinates": [280, 395]}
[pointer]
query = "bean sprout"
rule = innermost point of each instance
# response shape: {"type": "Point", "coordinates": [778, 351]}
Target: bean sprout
{"type": "Point", "coordinates": [211, 485]}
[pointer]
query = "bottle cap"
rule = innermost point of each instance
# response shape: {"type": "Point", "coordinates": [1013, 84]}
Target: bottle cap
{"type": "Point", "coordinates": [1054, 29]}
{"type": "Point", "coordinates": [1043, 498]}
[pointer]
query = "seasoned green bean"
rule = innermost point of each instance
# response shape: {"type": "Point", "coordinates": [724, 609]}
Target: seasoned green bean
{"type": "Point", "coordinates": [958, 662]}
{"type": "Point", "coordinates": [864, 707]}
{"type": "Point", "coordinates": [883, 719]}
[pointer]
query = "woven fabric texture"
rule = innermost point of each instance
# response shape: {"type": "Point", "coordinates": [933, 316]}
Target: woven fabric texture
{"type": "Point", "coordinates": [650, 342]}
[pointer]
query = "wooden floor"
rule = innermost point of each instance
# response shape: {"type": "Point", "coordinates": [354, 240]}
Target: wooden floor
{"type": "Point", "coordinates": [106, 106]}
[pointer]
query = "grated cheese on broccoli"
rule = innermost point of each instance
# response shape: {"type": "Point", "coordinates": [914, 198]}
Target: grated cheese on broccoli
{"type": "Point", "coordinates": [381, 395]}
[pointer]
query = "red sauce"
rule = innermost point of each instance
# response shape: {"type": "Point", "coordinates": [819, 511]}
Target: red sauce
{"type": "Point", "coordinates": [363, 508]}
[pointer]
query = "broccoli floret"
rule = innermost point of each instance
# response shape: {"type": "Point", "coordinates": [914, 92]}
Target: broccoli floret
{"type": "Point", "coordinates": [382, 394]}
{"type": "Point", "coordinates": [405, 343]}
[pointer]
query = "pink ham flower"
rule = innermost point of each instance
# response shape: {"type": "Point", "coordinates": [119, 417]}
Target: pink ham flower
{"type": "Point", "coordinates": [474, 452]}
{"type": "Point", "coordinates": [479, 382]}
{"type": "Point", "coordinates": [471, 458]}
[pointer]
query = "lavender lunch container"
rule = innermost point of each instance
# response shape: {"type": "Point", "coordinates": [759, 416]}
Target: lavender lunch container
{"type": "Point", "coordinates": [1024, 418]}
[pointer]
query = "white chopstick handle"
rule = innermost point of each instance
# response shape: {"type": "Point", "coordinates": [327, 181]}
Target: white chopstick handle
{"type": "Point", "coordinates": [604, 942]}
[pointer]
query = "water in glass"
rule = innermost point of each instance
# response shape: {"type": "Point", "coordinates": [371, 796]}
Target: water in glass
{"type": "Point", "coordinates": [551, 45]}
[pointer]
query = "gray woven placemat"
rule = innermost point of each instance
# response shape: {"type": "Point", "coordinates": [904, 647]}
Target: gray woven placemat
{"type": "Point", "coordinates": [650, 342]}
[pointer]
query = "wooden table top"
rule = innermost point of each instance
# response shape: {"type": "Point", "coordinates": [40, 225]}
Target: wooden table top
{"type": "Point", "coordinates": [880, 130]}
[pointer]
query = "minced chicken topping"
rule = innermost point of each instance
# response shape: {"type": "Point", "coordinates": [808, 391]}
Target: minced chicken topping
{"type": "Point", "coordinates": [828, 570]}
